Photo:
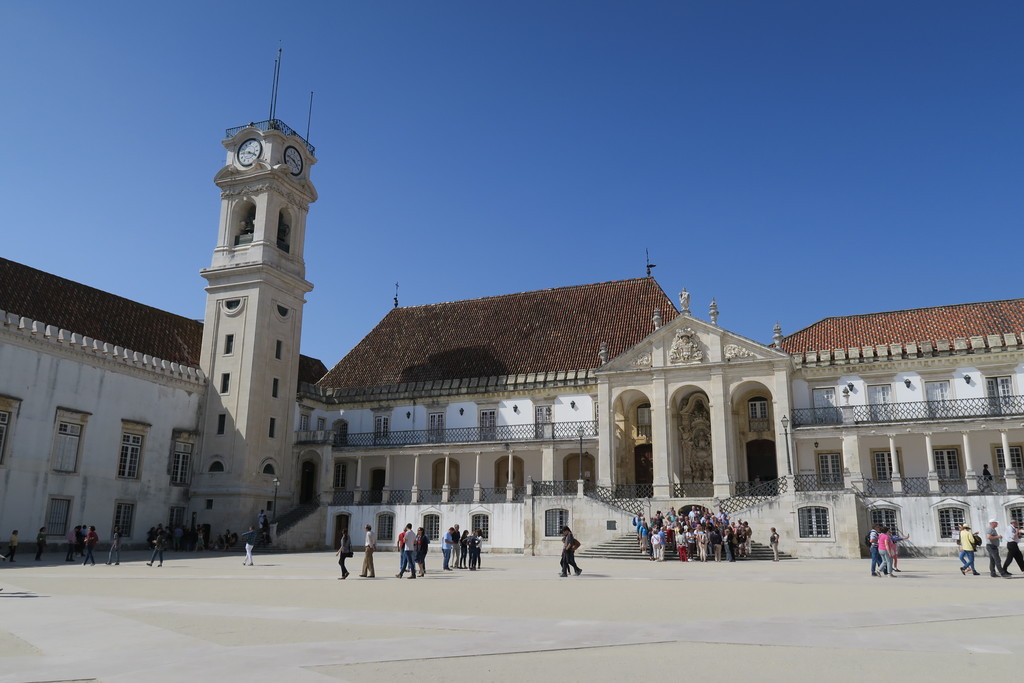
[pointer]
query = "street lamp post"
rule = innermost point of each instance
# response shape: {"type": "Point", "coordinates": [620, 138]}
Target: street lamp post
{"type": "Point", "coordinates": [277, 483]}
{"type": "Point", "coordinates": [785, 431]}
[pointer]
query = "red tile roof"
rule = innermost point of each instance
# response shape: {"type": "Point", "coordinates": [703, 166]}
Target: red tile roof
{"type": "Point", "coordinates": [549, 330]}
{"type": "Point", "coordinates": [911, 325]}
{"type": "Point", "coordinates": [91, 312]}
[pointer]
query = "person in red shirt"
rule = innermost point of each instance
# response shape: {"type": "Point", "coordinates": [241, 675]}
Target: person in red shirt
{"type": "Point", "coordinates": [91, 539]}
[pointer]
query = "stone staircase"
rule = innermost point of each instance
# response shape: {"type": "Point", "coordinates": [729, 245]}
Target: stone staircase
{"type": "Point", "coordinates": [625, 548]}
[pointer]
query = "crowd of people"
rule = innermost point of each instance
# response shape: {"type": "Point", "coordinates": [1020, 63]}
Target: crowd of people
{"type": "Point", "coordinates": [970, 541]}
{"type": "Point", "coordinates": [697, 535]}
{"type": "Point", "coordinates": [459, 549]}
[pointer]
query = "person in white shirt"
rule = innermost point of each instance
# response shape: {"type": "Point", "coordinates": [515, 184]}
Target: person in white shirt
{"type": "Point", "coordinates": [1012, 548]}
{"type": "Point", "coordinates": [370, 545]}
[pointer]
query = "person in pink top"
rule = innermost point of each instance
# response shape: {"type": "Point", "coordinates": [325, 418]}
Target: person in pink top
{"type": "Point", "coordinates": [886, 549]}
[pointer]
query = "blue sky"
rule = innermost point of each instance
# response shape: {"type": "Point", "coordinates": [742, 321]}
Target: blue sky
{"type": "Point", "coordinates": [795, 160]}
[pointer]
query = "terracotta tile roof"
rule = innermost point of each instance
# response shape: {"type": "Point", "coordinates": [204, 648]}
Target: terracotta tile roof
{"type": "Point", "coordinates": [110, 318]}
{"type": "Point", "coordinates": [549, 330]}
{"type": "Point", "coordinates": [911, 325]}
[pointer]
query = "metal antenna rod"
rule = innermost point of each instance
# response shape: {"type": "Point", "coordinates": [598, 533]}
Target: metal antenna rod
{"type": "Point", "coordinates": [396, 295]}
{"type": "Point", "coordinates": [273, 90]}
{"type": "Point", "coordinates": [309, 117]}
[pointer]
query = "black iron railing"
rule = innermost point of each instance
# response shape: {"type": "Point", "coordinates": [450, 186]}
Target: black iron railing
{"type": "Point", "coordinates": [271, 124]}
{"type": "Point", "coordinates": [607, 494]}
{"type": "Point", "coordinates": [952, 409]}
{"type": "Point", "coordinates": [555, 488]}
{"type": "Point", "coordinates": [399, 497]}
{"type": "Point", "coordinates": [633, 490]}
{"type": "Point", "coordinates": [878, 487]}
{"type": "Point", "coordinates": [753, 494]}
{"type": "Point", "coordinates": [693, 489]}
{"type": "Point", "coordinates": [543, 431]}
{"type": "Point", "coordinates": [952, 486]}
{"type": "Point", "coordinates": [818, 482]}
{"type": "Point", "coordinates": [460, 495]}
{"type": "Point", "coordinates": [915, 486]}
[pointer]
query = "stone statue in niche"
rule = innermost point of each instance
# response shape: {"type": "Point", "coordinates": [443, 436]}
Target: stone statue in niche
{"type": "Point", "coordinates": [695, 438]}
{"type": "Point", "coordinates": [685, 348]}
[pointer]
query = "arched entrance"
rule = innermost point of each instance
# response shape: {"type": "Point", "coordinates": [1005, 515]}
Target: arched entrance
{"type": "Point", "coordinates": [571, 467]}
{"type": "Point", "coordinates": [307, 481]}
{"type": "Point", "coordinates": [501, 471]}
{"type": "Point", "coordinates": [643, 464]}
{"type": "Point", "coordinates": [437, 474]}
{"type": "Point", "coordinates": [761, 463]}
{"type": "Point", "coordinates": [340, 524]}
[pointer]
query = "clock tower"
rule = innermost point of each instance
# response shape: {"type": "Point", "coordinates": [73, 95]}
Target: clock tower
{"type": "Point", "coordinates": [250, 353]}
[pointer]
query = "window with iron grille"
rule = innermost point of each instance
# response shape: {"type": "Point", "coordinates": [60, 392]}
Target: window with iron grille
{"type": "Point", "coordinates": [950, 520]}
{"type": "Point", "coordinates": [813, 522]}
{"type": "Point", "coordinates": [124, 516]}
{"type": "Point", "coordinates": [131, 453]}
{"type": "Point", "coordinates": [1017, 515]}
{"type": "Point", "coordinates": [340, 474]}
{"type": "Point", "coordinates": [885, 517]}
{"type": "Point", "coordinates": [432, 526]}
{"type": "Point", "coordinates": [57, 516]}
{"type": "Point", "coordinates": [321, 424]}
{"type": "Point", "coordinates": [385, 526]}
{"type": "Point", "coordinates": [181, 462]}
{"type": "Point", "coordinates": [947, 463]}
{"type": "Point", "coordinates": [1016, 462]}
{"type": "Point", "coordinates": [65, 447]}
{"type": "Point", "coordinates": [483, 523]}
{"type": "Point", "coordinates": [554, 520]}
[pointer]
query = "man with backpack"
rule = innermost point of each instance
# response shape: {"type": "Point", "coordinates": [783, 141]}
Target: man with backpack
{"type": "Point", "coordinates": [569, 547]}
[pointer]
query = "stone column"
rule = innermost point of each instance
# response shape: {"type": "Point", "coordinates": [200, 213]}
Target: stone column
{"type": "Point", "coordinates": [386, 494]}
{"type": "Point", "coordinates": [1008, 471]}
{"type": "Point", "coordinates": [606, 435]}
{"type": "Point", "coordinates": [477, 488]}
{"type": "Point", "coordinates": [897, 477]}
{"type": "Point", "coordinates": [416, 479]}
{"type": "Point", "coordinates": [659, 437]}
{"type": "Point", "coordinates": [721, 412]}
{"type": "Point", "coordinates": [359, 473]}
{"type": "Point", "coordinates": [446, 489]}
{"type": "Point", "coordinates": [509, 485]}
{"type": "Point", "coordinates": [851, 458]}
{"type": "Point", "coordinates": [933, 476]}
{"type": "Point", "coordinates": [547, 462]}
{"type": "Point", "coordinates": [972, 477]}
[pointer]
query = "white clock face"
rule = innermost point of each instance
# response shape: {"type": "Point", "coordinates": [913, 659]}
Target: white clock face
{"type": "Point", "coordinates": [293, 158]}
{"type": "Point", "coordinates": [249, 152]}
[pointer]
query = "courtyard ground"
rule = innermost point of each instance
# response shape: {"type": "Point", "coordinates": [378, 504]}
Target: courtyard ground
{"type": "Point", "coordinates": [205, 617]}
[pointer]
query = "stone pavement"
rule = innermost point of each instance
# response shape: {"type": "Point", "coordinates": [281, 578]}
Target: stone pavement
{"type": "Point", "coordinates": [205, 617]}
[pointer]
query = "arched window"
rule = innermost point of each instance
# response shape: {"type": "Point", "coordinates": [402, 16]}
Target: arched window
{"type": "Point", "coordinates": [950, 520]}
{"type": "Point", "coordinates": [269, 469]}
{"type": "Point", "coordinates": [813, 522]}
{"type": "Point", "coordinates": [283, 231]}
{"type": "Point", "coordinates": [246, 222]}
{"type": "Point", "coordinates": [216, 466]}
{"type": "Point", "coordinates": [340, 433]}
{"type": "Point", "coordinates": [432, 526]}
{"type": "Point", "coordinates": [481, 522]}
{"type": "Point", "coordinates": [385, 526]}
{"type": "Point", "coordinates": [1017, 515]}
{"type": "Point", "coordinates": [554, 520]}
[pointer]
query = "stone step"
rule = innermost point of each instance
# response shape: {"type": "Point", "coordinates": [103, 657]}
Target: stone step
{"type": "Point", "coordinates": [625, 548]}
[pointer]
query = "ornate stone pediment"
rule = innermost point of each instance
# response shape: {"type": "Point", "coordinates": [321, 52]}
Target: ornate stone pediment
{"type": "Point", "coordinates": [641, 360]}
{"type": "Point", "coordinates": [734, 351]}
{"type": "Point", "coordinates": [686, 347]}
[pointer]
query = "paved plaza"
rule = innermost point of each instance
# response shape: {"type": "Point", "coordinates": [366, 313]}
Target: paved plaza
{"type": "Point", "coordinates": [205, 617]}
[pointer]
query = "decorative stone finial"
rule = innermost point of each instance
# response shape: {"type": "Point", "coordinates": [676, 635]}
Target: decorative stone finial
{"type": "Point", "coordinates": [656, 318]}
{"type": "Point", "coordinates": [777, 335]}
{"type": "Point", "coordinates": [713, 311]}
{"type": "Point", "coordinates": [684, 302]}
{"type": "Point", "coordinates": [603, 353]}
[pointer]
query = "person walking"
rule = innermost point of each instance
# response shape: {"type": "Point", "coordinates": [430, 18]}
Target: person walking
{"type": "Point", "coordinates": [40, 543]}
{"type": "Point", "coordinates": [886, 548]}
{"type": "Point", "coordinates": [569, 546]}
{"type": "Point", "coordinates": [12, 546]}
{"type": "Point", "coordinates": [992, 538]}
{"type": "Point", "coordinates": [114, 555]}
{"type": "Point", "coordinates": [447, 542]}
{"type": "Point", "coordinates": [344, 552]}
{"type": "Point", "coordinates": [1012, 547]}
{"type": "Point", "coordinates": [422, 544]}
{"type": "Point", "coordinates": [967, 548]}
{"type": "Point", "coordinates": [91, 539]}
{"type": "Point", "coordinates": [250, 543]}
{"type": "Point", "coordinates": [71, 537]}
{"type": "Point", "coordinates": [407, 546]}
{"type": "Point", "coordinates": [773, 542]}
{"type": "Point", "coordinates": [369, 546]}
{"type": "Point", "coordinates": [876, 558]}
{"type": "Point", "coordinates": [159, 545]}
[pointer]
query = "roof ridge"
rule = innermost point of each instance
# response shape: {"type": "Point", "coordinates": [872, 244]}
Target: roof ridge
{"type": "Point", "coordinates": [535, 291]}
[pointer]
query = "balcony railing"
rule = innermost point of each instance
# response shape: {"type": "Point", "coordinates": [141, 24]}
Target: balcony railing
{"type": "Point", "coordinates": [272, 124]}
{"type": "Point", "coordinates": [818, 482]}
{"type": "Point", "coordinates": [555, 488]}
{"type": "Point", "coordinates": [693, 489]}
{"type": "Point", "coordinates": [952, 409]}
{"type": "Point", "coordinates": [542, 431]}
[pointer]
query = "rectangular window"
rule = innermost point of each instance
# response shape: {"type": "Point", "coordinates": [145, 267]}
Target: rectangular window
{"type": "Point", "coordinates": [385, 527]}
{"type": "Point", "coordinates": [541, 420]}
{"type": "Point", "coordinates": [947, 463]}
{"type": "Point", "coordinates": [181, 462]}
{"type": "Point", "coordinates": [381, 426]}
{"type": "Point", "coordinates": [825, 410]}
{"type": "Point", "coordinates": [277, 349]}
{"type": "Point", "coordinates": [65, 450]}
{"type": "Point", "coordinates": [488, 423]}
{"type": "Point", "coordinates": [304, 422]}
{"type": "Point", "coordinates": [879, 398]}
{"type": "Point", "coordinates": [937, 391]}
{"type": "Point", "coordinates": [813, 522]}
{"type": "Point", "coordinates": [274, 386]}
{"type": "Point", "coordinates": [1017, 515]}
{"type": "Point", "coordinates": [757, 409]}
{"type": "Point", "coordinates": [124, 516]}
{"type": "Point", "coordinates": [1001, 387]}
{"type": "Point", "coordinates": [436, 427]}
{"type": "Point", "coordinates": [882, 463]}
{"type": "Point", "coordinates": [225, 382]}
{"type": "Point", "coordinates": [830, 468]}
{"type": "Point", "coordinates": [176, 517]}
{"type": "Point", "coordinates": [1016, 461]}
{"type": "Point", "coordinates": [4, 421]}
{"type": "Point", "coordinates": [432, 526]}
{"type": "Point", "coordinates": [554, 520]}
{"type": "Point", "coordinates": [222, 420]}
{"type": "Point", "coordinates": [131, 454]}
{"type": "Point", "coordinates": [321, 424]}
{"type": "Point", "coordinates": [209, 503]}
{"type": "Point", "coordinates": [950, 520]}
{"type": "Point", "coordinates": [273, 427]}
{"type": "Point", "coordinates": [57, 516]}
{"type": "Point", "coordinates": [229, 344]}
{"type": "Point", "coordinates": [340, 474]}
{"type": "Point", "coordinates": [483, 523]}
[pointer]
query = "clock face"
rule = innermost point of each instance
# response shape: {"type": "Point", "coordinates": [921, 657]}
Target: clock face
{"type": "Point", "coordinates": [293, 158]}
{"type": "Point", "coordinates": [249, 152]}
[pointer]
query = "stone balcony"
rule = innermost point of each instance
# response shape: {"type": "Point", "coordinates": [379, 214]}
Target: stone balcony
{"type": "Point", "coordinates": [544, 431]}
